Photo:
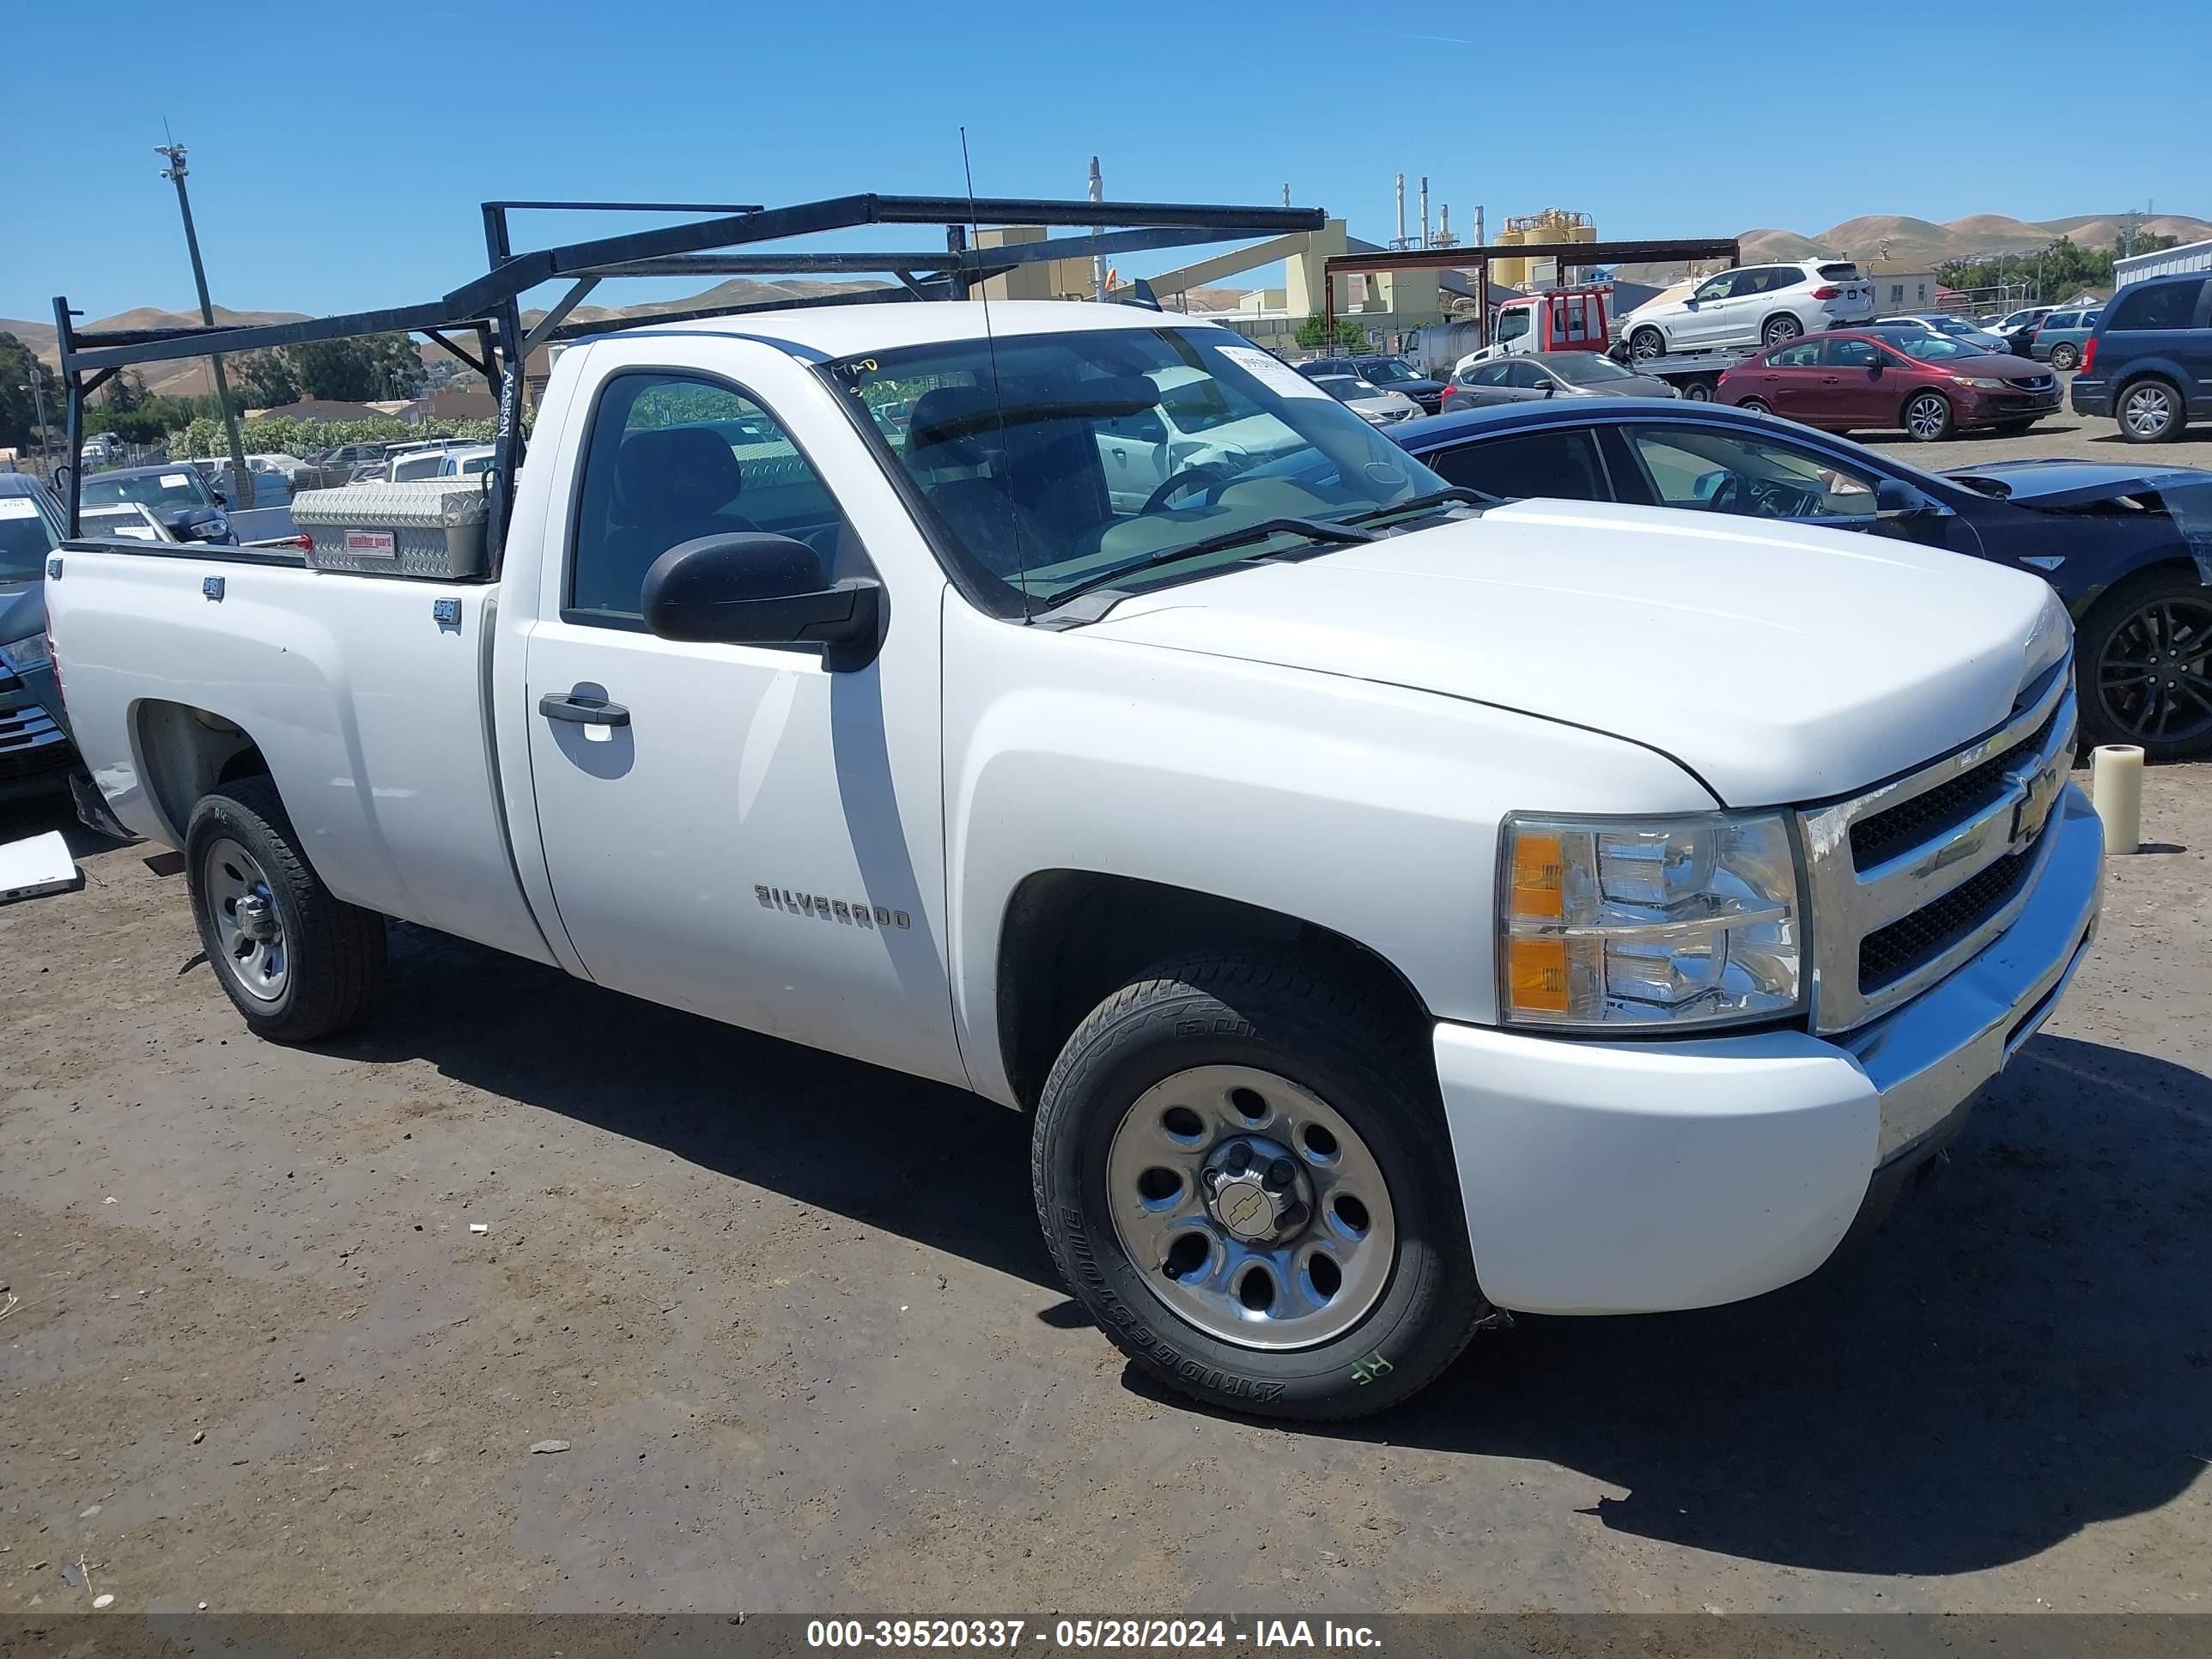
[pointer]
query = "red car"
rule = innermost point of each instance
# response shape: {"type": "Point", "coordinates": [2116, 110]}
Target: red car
{"type": "Point", "coordinates": [1931, 385]}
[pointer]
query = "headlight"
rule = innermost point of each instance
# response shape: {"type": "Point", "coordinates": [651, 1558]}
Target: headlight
{"type": "Point", "coordinates": [29, 653]}
{"type": "Point", "coordinates": [218, 526]}
{"type": "Point", "coordinates": [1981, 383]}
{"type": "Point", "coordinates": [1621, 923]}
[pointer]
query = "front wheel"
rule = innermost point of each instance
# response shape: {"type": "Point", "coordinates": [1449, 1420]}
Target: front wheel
{"type": "Point", "coordinates": [1248, 1184]}
{"type": "Point", "coordinates": [1647, 343]}
{"type": "Point", "coordinates": [1780, 330]}
{"type": "Point", "coordinates": [1928, 418]}
{"type": "Point", "coordinates": [2146, 655]}
{"type": "Point", "coordinates": [299, 962]}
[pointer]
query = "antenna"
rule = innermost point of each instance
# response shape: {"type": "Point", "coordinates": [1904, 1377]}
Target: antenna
{"type": "Point", "coordinates": [998, 389]}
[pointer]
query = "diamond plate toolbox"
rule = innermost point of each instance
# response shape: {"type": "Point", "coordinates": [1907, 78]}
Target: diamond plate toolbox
{"type": "Point", "coordinates": [430, 529]}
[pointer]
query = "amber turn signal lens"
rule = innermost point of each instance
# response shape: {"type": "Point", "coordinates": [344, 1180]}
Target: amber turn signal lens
{"type": "Point", "coordinates": [1536, 975]}
{"type": "Point", "coordinates": [1539, 875]}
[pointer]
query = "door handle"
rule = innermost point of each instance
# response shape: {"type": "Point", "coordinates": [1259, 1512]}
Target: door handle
{"type": "Point", "coordinates": [581, 711]}
{"type": "Point", "coordinates": [1831, 380]}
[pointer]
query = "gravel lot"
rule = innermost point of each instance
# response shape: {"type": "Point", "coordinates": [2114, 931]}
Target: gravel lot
{"type": "Point", "coordinates": [792, 1320]}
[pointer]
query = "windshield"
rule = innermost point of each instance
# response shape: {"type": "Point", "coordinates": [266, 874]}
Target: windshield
{"type": "Point", "coordinates": [1934, 347]}
{"type": "Point", "coordinates": [1389, 371]}
{"type": "Point", "coordinates": [423, 464]}
{"type": "Point", "coordinates": [26, 539]}
{"type": "Point", "coordinates": [1587, 368]}
{"type": "Point", "coordinates": [1345, 388]}
{"type": "Point", "coordinates": [1054, 458]}
{"type": "Point", "coordinates": [182, 488]}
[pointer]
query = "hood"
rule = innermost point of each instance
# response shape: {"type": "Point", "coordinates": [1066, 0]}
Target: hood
{"type": "Point", "coordinates": [2056, 481]}
{"type": "Point", "coordinates": [1995, 366]}
{"type": "Point", "coordinates": [1780, 663]}
{"type": "Point", "coordinates": [1637, 386]}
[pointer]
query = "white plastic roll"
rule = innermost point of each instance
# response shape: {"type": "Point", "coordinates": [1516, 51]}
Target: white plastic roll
{"type": "Point", "coordinates": [2116, 785]}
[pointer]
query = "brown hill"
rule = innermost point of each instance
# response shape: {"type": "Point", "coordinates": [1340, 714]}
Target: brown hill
{"type": "Point", "coordinates": [1919, 244]}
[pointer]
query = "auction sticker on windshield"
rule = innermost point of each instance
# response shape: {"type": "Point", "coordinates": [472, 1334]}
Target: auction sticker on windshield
{"type": "Point", "coordinates": [175, 481]}
{"type": "Point", "coordinates": [17, 507]}
{"type": "Point", "coordinates": [1277, 376]}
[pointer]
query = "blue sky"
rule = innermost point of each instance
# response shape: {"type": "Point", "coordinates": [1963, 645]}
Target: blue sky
{"type": "Point", "coordinates": [338, 151]}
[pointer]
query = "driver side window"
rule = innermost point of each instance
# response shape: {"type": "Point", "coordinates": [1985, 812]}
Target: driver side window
{"type": "Point", "coordinates": [672, 457]}
{"type": "Point", "coordinates": [1717, 472]}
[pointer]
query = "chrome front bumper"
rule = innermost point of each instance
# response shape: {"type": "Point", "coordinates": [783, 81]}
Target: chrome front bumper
{"type": "Point", "coordinates": [1932, 1054]}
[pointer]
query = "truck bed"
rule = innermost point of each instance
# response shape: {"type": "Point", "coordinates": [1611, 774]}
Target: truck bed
{"type": "Point", "coordinates": [371, 713]}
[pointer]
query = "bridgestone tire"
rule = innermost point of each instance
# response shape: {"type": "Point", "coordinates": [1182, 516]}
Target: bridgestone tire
{"type": "Point", "coordinates": [335, 950]}
{"type": "Point", "coordinates": [1302, 1019]}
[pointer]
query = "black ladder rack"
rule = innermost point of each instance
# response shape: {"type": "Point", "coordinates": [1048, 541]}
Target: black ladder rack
{"type": "Point", "coordinates": [490, 308]}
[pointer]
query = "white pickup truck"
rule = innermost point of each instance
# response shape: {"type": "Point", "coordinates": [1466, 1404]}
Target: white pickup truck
{"type": "Point", "coordinates": [1392, 907]}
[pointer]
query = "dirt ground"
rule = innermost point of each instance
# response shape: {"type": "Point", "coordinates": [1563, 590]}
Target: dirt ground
{"type": "Point", "coordinates": [791, 1319]}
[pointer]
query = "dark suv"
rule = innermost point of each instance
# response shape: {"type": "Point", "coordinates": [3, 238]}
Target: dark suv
{"type": "Point", "coordinates": [2149, 363]}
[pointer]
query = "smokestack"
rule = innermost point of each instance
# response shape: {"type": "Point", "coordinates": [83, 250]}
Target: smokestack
{"type": "Point", "coordinates": [1478, 224]}
{"type": "Point", "coordinates": [1286, 195]}
{"type": "Point", "coordinates": [1425, 210]}
{"type": "Point", "coordinates": [1444, 238]}
{"type": "Point", "coordinates": [1098, 261]}
{"type": "Point", "coordinates": [1400, 242]}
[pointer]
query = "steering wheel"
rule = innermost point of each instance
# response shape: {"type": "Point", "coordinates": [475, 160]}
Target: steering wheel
{"type": "Point", "coordinates": [1728, 494]}
{"type": "Point", "coordinates": [1222, 472]}
{"type": "Point", "coordinates": [1771, 499]}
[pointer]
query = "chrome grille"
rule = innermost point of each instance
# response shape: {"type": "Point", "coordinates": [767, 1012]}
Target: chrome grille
{"type": "Point", "coordinates": [1911, 879]}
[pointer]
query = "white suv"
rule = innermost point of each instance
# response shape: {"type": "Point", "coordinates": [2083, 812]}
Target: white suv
{"type": "Point", "coordinates": [1752, 306]}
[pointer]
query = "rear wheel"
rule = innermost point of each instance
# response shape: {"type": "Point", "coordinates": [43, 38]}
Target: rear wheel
{"type": "Point", "coordinates": [295, 960]}
{"type": "Point", "coordinates": [2146, 651]}
{"type": "Point", "coordinates": [2066, 355]}
{"type": "Point", "coordinates": [1237, 1166]}
{"type": "Point", "coordinates": [1780, 329]}
{"type": "Point", "coordinates": [1928, 418]}
{"type": "Point", "coordinates": [1699, 392]}
{"type": "Point", "coordinates": [2149, 411]}
{"type": "Point", "coordinates": [1646, 343]}
{"type": "Point", "coordinates": [1756, 406]}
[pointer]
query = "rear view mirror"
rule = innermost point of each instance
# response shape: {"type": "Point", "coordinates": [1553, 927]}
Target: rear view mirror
{"type": "Point", "coordinates": [756, 589]}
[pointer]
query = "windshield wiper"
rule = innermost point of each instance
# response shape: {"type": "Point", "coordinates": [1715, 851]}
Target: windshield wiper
{"type": "Point", "coordinates": [1316, 529]}
{"type": "Point", "coordinates": [1434, 498]}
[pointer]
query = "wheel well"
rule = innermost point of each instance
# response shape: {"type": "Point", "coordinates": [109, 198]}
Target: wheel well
{"type": "Point", "coordinates": [2124, 587]}
{"type": "Point", "coordinates": [1921, 392]}
{"type": "Point", "coordinates": [1772, 316]}
{"type": "Point", "coordinates": [2131, 377]}
{"type": "Point", "coordinates": [1070, 937]}
{"type": "Point", "coordinates": [185, 753]}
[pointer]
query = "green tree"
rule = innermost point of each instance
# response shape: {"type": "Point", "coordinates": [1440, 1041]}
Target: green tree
{"type": "Point", "coordinates": [357, 371]}
{"type": "Point", "coordinates": [1313, 336]}
{"type": "Point", "coordinates": [20, 369]}
{"type": "Point", "coordinates": [125, 393]}
{"type": "Point", "coordinates": [2057, 272]}
{"type": "Point", "coordinates": [266, 380]}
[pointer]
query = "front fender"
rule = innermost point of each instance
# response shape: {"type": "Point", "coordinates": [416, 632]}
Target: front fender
{"type": "Point", "coordinates": [1372, 811]}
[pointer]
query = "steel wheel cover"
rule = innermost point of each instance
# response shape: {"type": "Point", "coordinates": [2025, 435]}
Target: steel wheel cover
{"type": "Point", "coordinates": [2155, 678]}
{"type": "Point", "coordinates": [1254, 1212]}
{"type": "Point", "coordinates": [248, 929]}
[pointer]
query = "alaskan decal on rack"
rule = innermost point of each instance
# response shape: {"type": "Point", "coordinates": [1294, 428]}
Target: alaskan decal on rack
{"type": "Point", "coordinates": [854, 913]}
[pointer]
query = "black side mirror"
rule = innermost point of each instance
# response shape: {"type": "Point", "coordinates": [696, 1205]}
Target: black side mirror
{"type": "Point", "coordinates": [756, 589]}
{"type": "Point", "coordinates": [1893, 498]}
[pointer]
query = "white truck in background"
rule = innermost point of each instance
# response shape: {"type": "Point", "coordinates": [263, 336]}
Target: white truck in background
{"type": "Point", "coordinates": [1392, 906]}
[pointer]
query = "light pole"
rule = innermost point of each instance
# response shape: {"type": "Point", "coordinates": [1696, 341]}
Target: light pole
{"type": "Point", "coordinates": [37, 388]}
{"type": "Point", "coordinates": [242, 480]}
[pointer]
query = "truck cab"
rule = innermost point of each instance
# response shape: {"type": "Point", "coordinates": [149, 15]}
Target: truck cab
{"type": "Point", "coordinates": [1563, 319]}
